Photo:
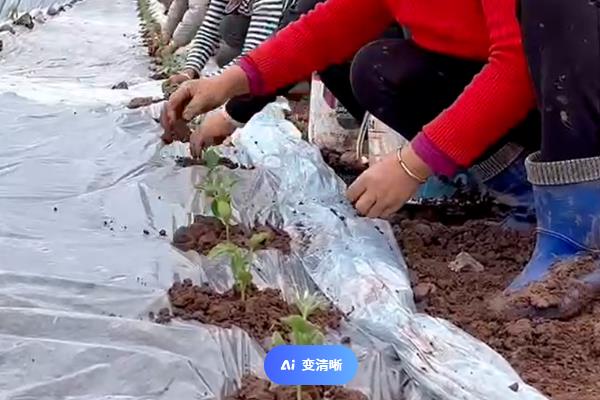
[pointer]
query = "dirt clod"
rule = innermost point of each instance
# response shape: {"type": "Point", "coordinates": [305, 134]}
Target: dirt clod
{"type": "Point", "coordinates": [25, 20]}
{"type": "Point", "coordinates": [259, 315]}
{"type": "Point", "coordinates": [207, 232]}
{"type": "Point", "coordinates": [139, 102]}
{"type": "Point", "coordinates": [465, 261]}
{"type": "Point", "coordinates": [121, 86]}
{"type": "Point", "coordinates": [423, 290]}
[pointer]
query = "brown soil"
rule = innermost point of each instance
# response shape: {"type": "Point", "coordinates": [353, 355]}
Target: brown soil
{"type": "Point", "coordinates": [139, 102]}
{"type": "Point", "coordinates": [259, 315]}
{"type": "Point", "coordinates": [345, 165]}
{"type": "Point", "coordinates": [185, 162]}
{"type": "Point", "coordinates": [159, 75]}
{"type": "Point", "coordinates": [299, 115]}
{"type": "Point", "coordinates": [254, 388]}
{"type": "Point", "coordinates": [560, 358]}
{"type": "Point", "coordinates": [181, 133]}
{"type": "Point", "coordinates": [558, 296]}
{"type": "Point", "coordinates": [207, 232]}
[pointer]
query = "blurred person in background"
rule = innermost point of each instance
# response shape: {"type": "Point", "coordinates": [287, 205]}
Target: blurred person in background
{"type": "Point", "coordinates": [216, 127]}
{"type": "Point", "coordinates": [184, 17]}
{"type": "Point", "coordinates": [229, 29]}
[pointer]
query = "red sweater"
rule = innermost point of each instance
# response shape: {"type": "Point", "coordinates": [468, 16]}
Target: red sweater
{"type": "Point", "coordinates": [497, 99]}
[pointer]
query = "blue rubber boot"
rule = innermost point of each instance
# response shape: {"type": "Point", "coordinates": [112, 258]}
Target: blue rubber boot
{"type": "Point", "coordinates": [504, 178]}
{"type": "Point", "coordinates": [567, 202]}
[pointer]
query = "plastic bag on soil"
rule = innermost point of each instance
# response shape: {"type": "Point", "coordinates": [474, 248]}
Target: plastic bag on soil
{"type": "Point", "coordinates": [81, 179]}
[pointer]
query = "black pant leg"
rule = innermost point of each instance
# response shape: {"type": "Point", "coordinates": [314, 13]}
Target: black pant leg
{"type": "Point", "coordinates": [407, 87]}
{"type": "Point", "coordinates": [562, 42]}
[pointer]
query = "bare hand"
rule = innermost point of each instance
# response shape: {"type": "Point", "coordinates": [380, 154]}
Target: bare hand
{"type": "Point", "coordinates": [215, 128]}
{"type": "Point", "coordinates": [178, 79]}
{"type": "Point", "coordinates": [168, 50]}
{"type": "Point", "coordinates": [385, 187]}
{"type": "Point", "coordinates": [200, 96]}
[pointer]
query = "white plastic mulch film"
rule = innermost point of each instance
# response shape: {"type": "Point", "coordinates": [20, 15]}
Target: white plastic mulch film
{"type": "Point", "coordinates": [81, 178]}
{"type": "Point", "coordinates": [36, 7]}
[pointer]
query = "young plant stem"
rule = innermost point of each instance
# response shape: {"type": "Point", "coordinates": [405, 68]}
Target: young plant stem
{"type": "Point", "coordinates": [298, 392]}
{"type": "Point", "coordinates": [227, 233]}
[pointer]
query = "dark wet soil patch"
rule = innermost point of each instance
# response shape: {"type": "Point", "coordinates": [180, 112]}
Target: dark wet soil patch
{"type": "Point", "coordinates": [254, 388]}
{"type": "Point", "coordinates": [185, 162]}
{"type": "Point", "coordinates": [560, 358]}
{"type": "Point", "coordinates": [259, 315]}
{"type": "Point", "coordinates": [345, 165]}
{"type": "Point", "coordinates": [207, 232]}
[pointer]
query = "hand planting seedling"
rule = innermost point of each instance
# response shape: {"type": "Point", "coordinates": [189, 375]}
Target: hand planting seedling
{"type": "Point", "coordinates": [303, 332]}
{"type": "Point", "coordinates": [241, 260]}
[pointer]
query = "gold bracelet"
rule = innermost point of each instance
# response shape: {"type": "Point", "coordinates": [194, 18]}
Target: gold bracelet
{"type": "Point", "coordinates": [416, 177]}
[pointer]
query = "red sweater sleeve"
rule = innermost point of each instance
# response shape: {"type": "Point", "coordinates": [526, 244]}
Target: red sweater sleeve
{"type": "Point", "coordinates": [497, 99]}
{"type": "Point", "coordinates": [330, 34]}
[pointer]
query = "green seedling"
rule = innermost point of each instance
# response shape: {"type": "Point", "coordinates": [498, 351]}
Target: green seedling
{"type": "Point", "coordinates": [211, 159]}
{"type": "Point", "coordinates": [221, 208]}
{"type": "Point", "coordinates": [303, 332]}
{"type": "Point", "coordinates": [240, 265]}
{"type": "Point", "coordinates": [241, 260]}
{"type": "Point", "coordinates": [218, 187]}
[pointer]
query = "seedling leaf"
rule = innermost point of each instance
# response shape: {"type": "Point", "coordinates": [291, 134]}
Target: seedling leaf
{"type": "Point", "coordinates": [309, 303]}
{"type": "Point", "coordinates": [211, 158]}
{"type": "Point", "coordinates": [258, 240]}
{"type": "Point", "coordinates": [277, 340]}
{"type": "Point", "coordinates": [222, 209]}
{"type": "Point", "coordinates": [222, 249]}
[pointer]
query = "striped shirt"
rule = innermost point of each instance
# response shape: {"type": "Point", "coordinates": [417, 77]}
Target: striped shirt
{"type": "Point", "coordinates": [265, 16]}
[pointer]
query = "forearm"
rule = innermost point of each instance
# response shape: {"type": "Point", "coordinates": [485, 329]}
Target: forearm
{"type": "Point", "coordinates": [174, 17]}
{"type": "Point", "coordinates": [190, 23]}
{"type": "Point", "coordinates": [207, 38]}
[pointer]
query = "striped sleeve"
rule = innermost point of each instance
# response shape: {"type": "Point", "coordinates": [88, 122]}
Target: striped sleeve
{"type": "Point", "coordinates": [207, 39]}
{"type": "Point", "coordinates": [265, 19]}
